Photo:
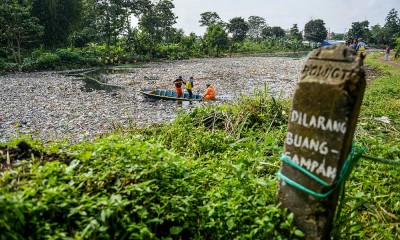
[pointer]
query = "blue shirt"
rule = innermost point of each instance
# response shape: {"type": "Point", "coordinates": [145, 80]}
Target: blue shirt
{"type": "Point", "coordinates": [360, 44]}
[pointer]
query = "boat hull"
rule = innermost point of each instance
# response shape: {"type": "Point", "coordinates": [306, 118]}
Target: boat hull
{"type": "Point", "coordinates": [170, 95]}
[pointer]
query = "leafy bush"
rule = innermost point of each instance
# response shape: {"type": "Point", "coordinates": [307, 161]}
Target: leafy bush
{"type": "Point", "coordinates": [10, 66]}
{"type": "Point", "coordinates": [123, 187]}
{"type": "Point", "coordinates": [272, 45]}
{"type": "Point", "coordinates": [28, 64]}
{"type": "Point", "coordinates": [165, 182]}
{"type": "Point", "coordinates": [75, 58]}
{"type": "Point", "coordinates": [69, 57]}
{"type": "Point", "coordinates": [249, 46]}
{"type": "Point", "coordinates": [171, 52]}
{"type": "Point", "coordinates": [144, 58]}
{"type": "Point", "coordinates": [91, 61]}
{"type": "Point", "coordinates": [2, 64]}
{"type": "Point", "coordinates": [48, 61]}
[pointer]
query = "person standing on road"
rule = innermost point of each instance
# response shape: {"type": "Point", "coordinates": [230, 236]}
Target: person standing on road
{"type": "Point", "coordinates": [387, 52]}
{"type": "Point", "coordinates": [360, 48]}
{"type": "Point", "coordinates": [352, 43]}
{"type": "Point", "coordinates": [189, 86]}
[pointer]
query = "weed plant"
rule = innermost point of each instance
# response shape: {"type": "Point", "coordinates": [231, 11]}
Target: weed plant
{"type": "Point", "coordinates": [211, 174]}
{"type": "Point", "coordinates": [371, 208]}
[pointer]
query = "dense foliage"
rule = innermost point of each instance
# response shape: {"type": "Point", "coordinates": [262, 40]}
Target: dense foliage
{"type": "Point", "coordinates": [239, 28]}
{"type": "Point", "coordinates": [315, 31]}
{"type": "Point", "coordinates": [359, 30]}
{"type": "Point", "coordinates": [18, 28]}
{"type": "Point", "coordinates": [372, 204]}
{"type": "Point", "coordinates": [204, 181]}
{"type": "Point", "coordinates": [86, 25]}
{"type": "Point", "coordinates": [59, 19]}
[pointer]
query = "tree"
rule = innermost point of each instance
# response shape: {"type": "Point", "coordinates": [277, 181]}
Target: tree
{"type": "Point", "coordinates": [59, 18]}
{"type": "Point", "coordinates": [174, 35]}
{"type": "Point", "coordinates": [360, 30]}
{"type": "Point", "coordinates": [18, 27]}
{"type": "Point", "coordinates": [166, 18]}
{"type": "Point", "coordinates": [266, 32]}
{"type": "Point", "coordinates": [137, 7]}
{"type": "Point", "coordinates": [377, 35]}
{"type": "Point", "coordinates": [188, 42]}
{"type": "Point", "coordinates": [392, 24]}
{"type": "Point", "coordinates": [315, 31]}
{"type": "Point", "coordinates": [110, 21]}
{"type": "Point", "coordinates": [105, 21]}
{"type": "Point", "coordinates": [337, 36]}
{"type": "Point", "coordinates": [216, 38]}
{"type": "Point", "coordinates": [209, 18]}
{"type": "Point", "coordinates": [273, 32]}
{"type": "Point", "coordinates": [238, 27]}
{"type": "Point", "coordinates": [295, 34]}
{"type": "Point", "coordinates": [87, 28]}
{"type": "Point", "coordinates": [278, 32]}
{"type": "Point", "coordinates": [256, 26]}
{"type": "Point", "coordinates": [157, 21]}
{"type": "Point", "coordinates": [137, 39]}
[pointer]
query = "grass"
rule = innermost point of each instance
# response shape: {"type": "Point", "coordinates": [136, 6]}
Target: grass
{"type": "Point", "coordinates": [372, 203]}
{"type": "Point", "coordinates": [210, 174]}
{"type": "Point", "coordinates": [199, 177]}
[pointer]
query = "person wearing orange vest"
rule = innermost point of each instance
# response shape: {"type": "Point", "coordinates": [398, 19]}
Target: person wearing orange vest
{"type": "Point", "coordinates": [178, 86]}
{"type": "Point", "coordinates": [210, 93]}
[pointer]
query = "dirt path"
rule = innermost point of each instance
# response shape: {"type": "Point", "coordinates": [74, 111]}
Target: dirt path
{"type": "Point", "coordinates": [391, 62]}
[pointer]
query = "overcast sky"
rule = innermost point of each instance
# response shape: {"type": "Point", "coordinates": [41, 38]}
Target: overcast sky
{"type": "Point", "coordinates": [337, 14]}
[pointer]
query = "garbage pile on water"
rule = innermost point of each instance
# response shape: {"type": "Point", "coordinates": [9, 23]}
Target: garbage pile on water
{"type": "Point", "coordinates": [229, 76]}
{"type": "Point", "coordinates": [53, 105]}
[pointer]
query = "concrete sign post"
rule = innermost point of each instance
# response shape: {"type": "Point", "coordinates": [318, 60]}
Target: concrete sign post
{"type": "Point", "coordinates": [325, 109]}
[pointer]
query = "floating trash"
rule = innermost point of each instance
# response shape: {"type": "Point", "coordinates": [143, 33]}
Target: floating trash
{"type": "Point", "coordinates": [383, 119]}
{"type": "Point", "coordinates": [62, 105]}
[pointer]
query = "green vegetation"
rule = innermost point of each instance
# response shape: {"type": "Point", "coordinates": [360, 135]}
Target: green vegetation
{"type": "Point", "coordinates": [52, 34]}
{"type": "Point", "coordinates": [202, 181]}
{"type": "Point", "coordinates": [210, 174]}
{"type": "Point", "coordinates": [315, 30]}
{"type": "Point", "coordinates": [372, 203]}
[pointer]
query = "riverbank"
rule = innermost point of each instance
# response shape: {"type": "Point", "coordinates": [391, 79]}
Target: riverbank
{"type": "Point", "coordinates": [179, 180]}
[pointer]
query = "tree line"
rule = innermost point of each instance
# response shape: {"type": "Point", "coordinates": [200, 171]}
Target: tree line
{"type": "Point", "coordinates": [47, 34]}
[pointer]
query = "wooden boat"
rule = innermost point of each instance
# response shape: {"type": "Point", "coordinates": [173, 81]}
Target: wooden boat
{"type": "Point", "coordinates": [170, 95]}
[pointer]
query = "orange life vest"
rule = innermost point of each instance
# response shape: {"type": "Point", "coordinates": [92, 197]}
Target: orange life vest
{"type": "Point", "coordinates": [210, 93]}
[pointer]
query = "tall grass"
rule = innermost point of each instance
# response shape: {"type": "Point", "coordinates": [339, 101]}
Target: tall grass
{"type": "Point", "coordinates": [200, 177]}
{"type": "Point", "coordinates": [372, 204]}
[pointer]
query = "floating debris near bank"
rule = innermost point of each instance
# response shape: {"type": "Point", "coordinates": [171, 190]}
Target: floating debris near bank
{"type": "Point", "coordinates": [78, 106]}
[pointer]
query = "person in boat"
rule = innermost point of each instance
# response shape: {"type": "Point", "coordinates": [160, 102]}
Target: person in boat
{"type": "Point", "coordinates": [189, 86]}
{"type": "Point", "coordinates": [178, 86]}
{"type": "Point", "coordinates": [210, 93]}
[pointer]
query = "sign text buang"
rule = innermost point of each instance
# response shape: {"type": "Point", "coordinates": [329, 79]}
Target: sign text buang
{"type": "Point", "coordinates": [325, 109]}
